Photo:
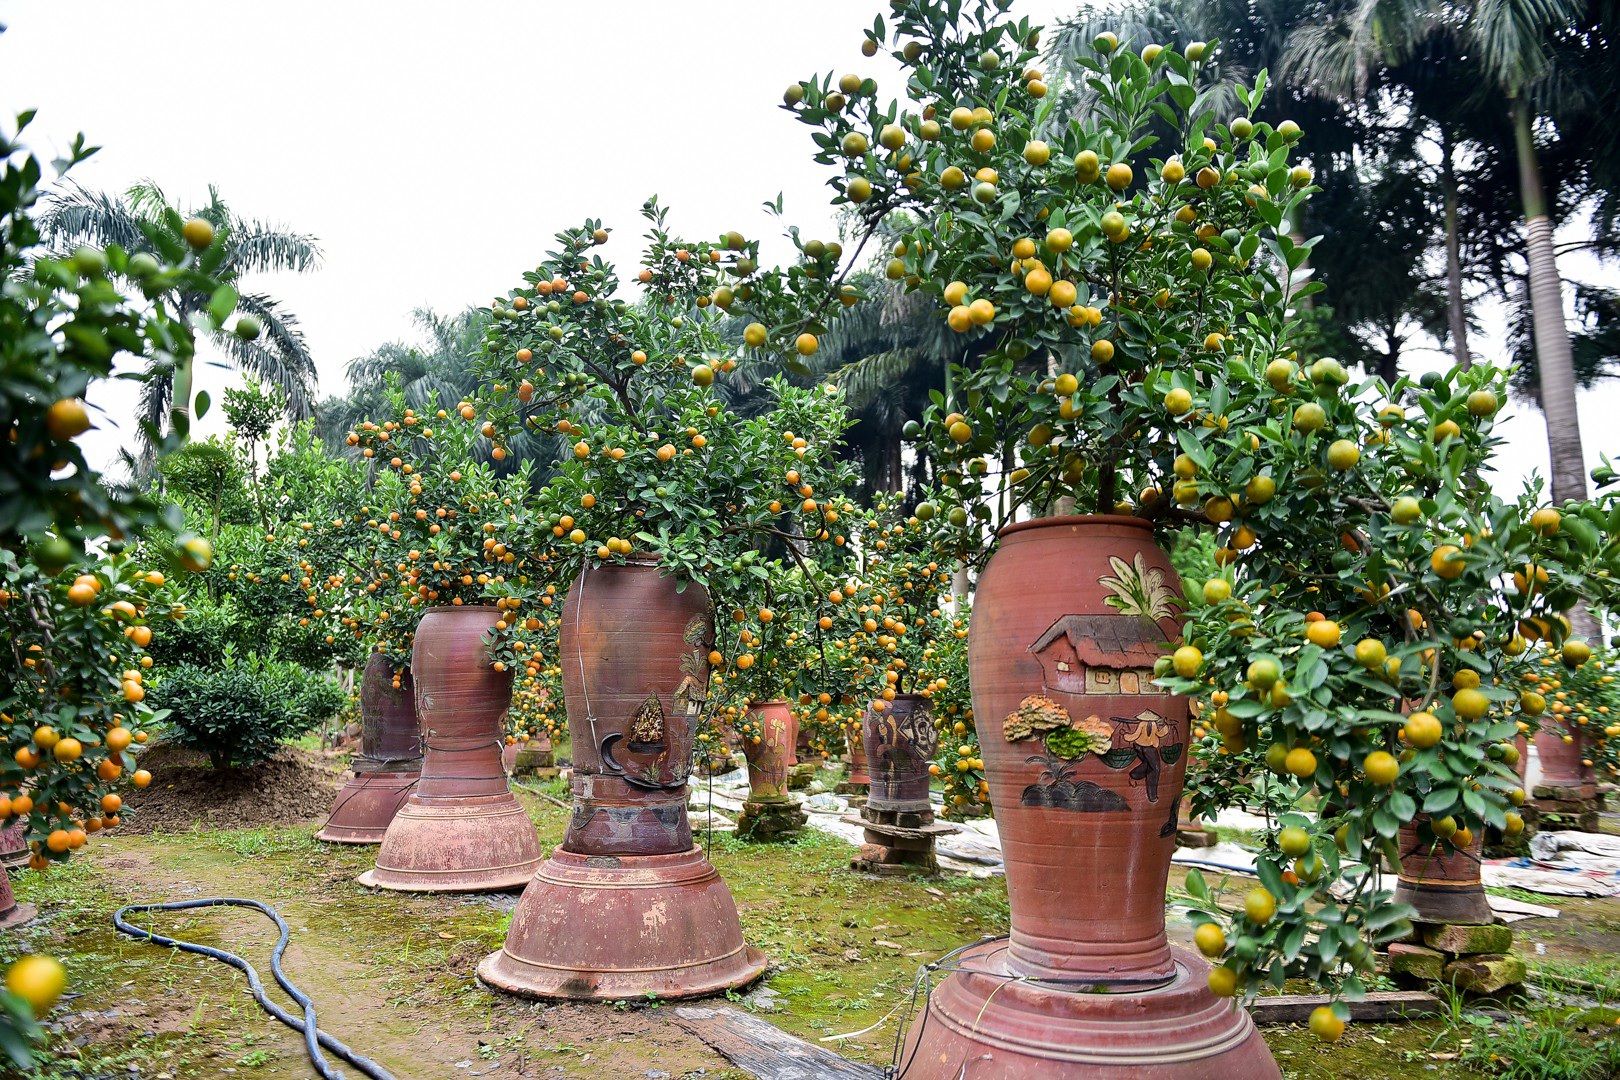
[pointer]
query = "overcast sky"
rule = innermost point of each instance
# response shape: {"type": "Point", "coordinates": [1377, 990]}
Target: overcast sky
{"type": "Point", "coordinates": [434, 148]}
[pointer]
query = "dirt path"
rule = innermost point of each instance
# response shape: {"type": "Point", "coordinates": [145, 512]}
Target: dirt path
{"type": "Point", "coordinates": [389, 973]}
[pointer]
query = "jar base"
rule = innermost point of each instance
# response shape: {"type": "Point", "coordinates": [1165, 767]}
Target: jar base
{"type": "Point", "coordinates": [366, 806]}
{"type": "Point", "coordinates": [982, 1021]}
{"type": "Point", "coordinates": [477, 844]}
{"type": "Point", "coordinates": [611, 928]}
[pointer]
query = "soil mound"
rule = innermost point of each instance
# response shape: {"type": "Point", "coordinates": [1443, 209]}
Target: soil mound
{"type": "Point", "coordinates": [293, 786]}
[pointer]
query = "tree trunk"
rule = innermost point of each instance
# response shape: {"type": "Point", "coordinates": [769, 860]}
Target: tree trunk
{"type": "Point", "coordinates": [1555, 367]}
{"type": "Point", "coordinates": [1554, 359]}
{"type": "Point", "coordinates": [1456, 307]}
{"type": "Point", "coordinates": [1389, 364]}
{"type": "Point", "coordinates": [893, 466]}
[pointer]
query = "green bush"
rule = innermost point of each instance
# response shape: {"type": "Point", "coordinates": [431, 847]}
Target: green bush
{"type": "Point", "coordinates": [238, 713]}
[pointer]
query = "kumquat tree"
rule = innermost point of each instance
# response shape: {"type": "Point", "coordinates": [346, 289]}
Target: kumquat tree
{"type": "Point", "coordinates": [1128, 284]}
{"type": "Point", "coordinates": [659, 463]}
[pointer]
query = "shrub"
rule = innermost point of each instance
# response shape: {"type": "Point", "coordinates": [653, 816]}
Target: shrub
{"type": "Point", "coordinates": [240, 712]}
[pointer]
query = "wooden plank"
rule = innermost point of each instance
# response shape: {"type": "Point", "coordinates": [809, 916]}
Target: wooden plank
{"type": "Point", "coordinates": [1378, 1005]}
{"type": "Point", "coordinates": [764, 1050]}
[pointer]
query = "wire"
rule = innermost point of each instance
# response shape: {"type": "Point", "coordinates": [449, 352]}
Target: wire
{"type": "Point", "coordinates": [314, 1037]}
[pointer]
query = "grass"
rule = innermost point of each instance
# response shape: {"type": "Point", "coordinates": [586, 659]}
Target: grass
{"type": "Point", "coordinates": [845, 951]}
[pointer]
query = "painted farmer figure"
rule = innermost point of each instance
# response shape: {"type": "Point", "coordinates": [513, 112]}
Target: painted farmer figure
{"type": "Point", "coordinates": [1144, 734]}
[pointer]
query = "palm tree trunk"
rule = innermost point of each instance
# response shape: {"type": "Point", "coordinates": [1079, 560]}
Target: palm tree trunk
{"type": "Point", "coordinates": [1456, 309]}
{"type": "Point", "coordinates": [1554, 359]}
{"type": "Point", "coordinates": [1561, 762]}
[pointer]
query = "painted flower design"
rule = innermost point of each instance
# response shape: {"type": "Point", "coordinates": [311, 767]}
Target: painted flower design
{"type": "Point", "coordinates": [1138, 589]}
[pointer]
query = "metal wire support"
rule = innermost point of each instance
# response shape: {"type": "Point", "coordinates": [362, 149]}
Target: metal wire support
{"type": "Point", "coordinates": [314, 1037]}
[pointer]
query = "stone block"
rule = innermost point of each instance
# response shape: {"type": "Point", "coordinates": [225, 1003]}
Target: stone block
{"type": "Point", "coordinates": [1488, 974]}
{"type": "Point", "coordinates": [1461, 939]}
{"type": "Point", "coordinates": [1416, 962]}
{"type": "Point", "coordinates": [1196, 838]}
{"type": "Point", "coordinates": [1564, 793]}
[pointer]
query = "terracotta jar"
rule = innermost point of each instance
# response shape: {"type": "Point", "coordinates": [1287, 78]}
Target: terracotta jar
{"type": "Point", "coordinates": [14, 844]}
{"type": "Point", "coordinates": [770, 759]}
{"type": "Point", "coordinates": [389, 762]}
{"type": "Point", "coordinates": [858, 773]}
{"type": "Point", "coordinates": [900, 742]}
{"type": "Point", "coordinates": [1441, 882]}
{"type": "Point", "coordinates": [11, 912]}
{"type": "Point", "coordinates": [1561, 762]}
{"type": "Point", "coordinates": [1085, 757]}
{"type": "Point", "coordinates": [461, 830]}
{"type": "Point", "coordinates": [627, 905]}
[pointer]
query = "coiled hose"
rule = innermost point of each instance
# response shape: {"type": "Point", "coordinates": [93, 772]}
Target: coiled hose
{"type": "Point", "coordinates": [314, 1037]}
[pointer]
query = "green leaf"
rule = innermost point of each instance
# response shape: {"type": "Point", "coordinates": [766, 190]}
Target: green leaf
{"type": "Point", "coordinates": [203, 401]}
{"type": "Point", "coordinates": [1196, 886]}
{"type": "Point", "coordinates": [221, 304]}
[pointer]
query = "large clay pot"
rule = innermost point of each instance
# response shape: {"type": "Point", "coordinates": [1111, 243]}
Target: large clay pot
{"type": "Point", "coordinates": [461, 830]}
{"type": "Point", "coordinates": [1561, 762]}
{"type": "Point", "coordinates": [14, 844]}
{"type": "Point", "coordinates": [1441, 882]}
{"type": "Point", "coordinates": [627, 905]}
{"type": "Point", "coordinates": [389, 762]}
{"type": "Point", "coordinates": [771, 758]}
{"type": "Point", "coordinates": [11, 912]}
{"type": "Point", "coordinates": [858, 773]}
{"type": "Point", "coordinates": [1085, 757]}
{"type": "Point", "coordinates": [900, 742]}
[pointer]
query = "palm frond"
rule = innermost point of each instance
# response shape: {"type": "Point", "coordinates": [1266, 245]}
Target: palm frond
{"type": "Point", "coordinates": [71, 215]}
{"type": "Point", "coordinates": [260, 248]}
{"type": "Point", "coordinates": [870, 376]}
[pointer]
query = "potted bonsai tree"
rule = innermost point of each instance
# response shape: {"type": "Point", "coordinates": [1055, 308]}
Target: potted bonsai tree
{"type": "Point", "coordinates": [769, 663]}
{"type": "Point", "coordinates": [1124, 283]}
{"type": "Point", "coordinates": [663, 494]}
{"type": "Point", "coordinates": [454, 536]}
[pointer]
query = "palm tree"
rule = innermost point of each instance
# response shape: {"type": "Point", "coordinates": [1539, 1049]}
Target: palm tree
{"type": "Point", "coordinates": [887, 353]}
{"type": "Point", "coordinates": [438, 372]}
{"type": "Point", "coordinates": [439, 367]}
{"type": "Point", "coordinates": [1485, 52]}
{"type": "Point", "coordinates": [143, 219]}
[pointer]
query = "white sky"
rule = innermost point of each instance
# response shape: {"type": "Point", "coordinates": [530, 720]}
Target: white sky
{"type": "Point", "coordinates": [434, 148]}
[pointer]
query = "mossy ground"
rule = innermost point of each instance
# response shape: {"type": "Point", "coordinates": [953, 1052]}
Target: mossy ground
{"type": "Point", "coordinates": [392, 973]}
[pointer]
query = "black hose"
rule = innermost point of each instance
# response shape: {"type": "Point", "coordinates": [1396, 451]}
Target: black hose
{"type": "Point", "coordinates": [314, 1037]}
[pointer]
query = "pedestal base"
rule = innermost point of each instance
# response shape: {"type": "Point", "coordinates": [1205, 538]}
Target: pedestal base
{"type": "Point", "coordinates": [365, 806]}
{"type": "Point", "coordinates": [771, 819]}
{"type": "Point", "coordinates": [1575, 808]}
{"type": "Point", "coordinates": [479, 843]}
{"type": "Point", "coordinates": [981, 1022]}
{"type": "Point", "coordinates": [610, 928]}
{"type": "Point", "coordinates": [1446, 902]}
{"type": "Point", "coordinates": [18, 915]}
{"type": "Point", "coordinates": [898, 842]}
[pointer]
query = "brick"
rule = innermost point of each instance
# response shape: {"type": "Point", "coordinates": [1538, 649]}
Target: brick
{"type": "Point", "coordinates": [1461, 939]}
{"type": "Point", "coordinates": [1563, 793]}
{"type": "Point", "coordinates": [1488, 974]}
{"type": "Point", "coordinates": [1416, 962]}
